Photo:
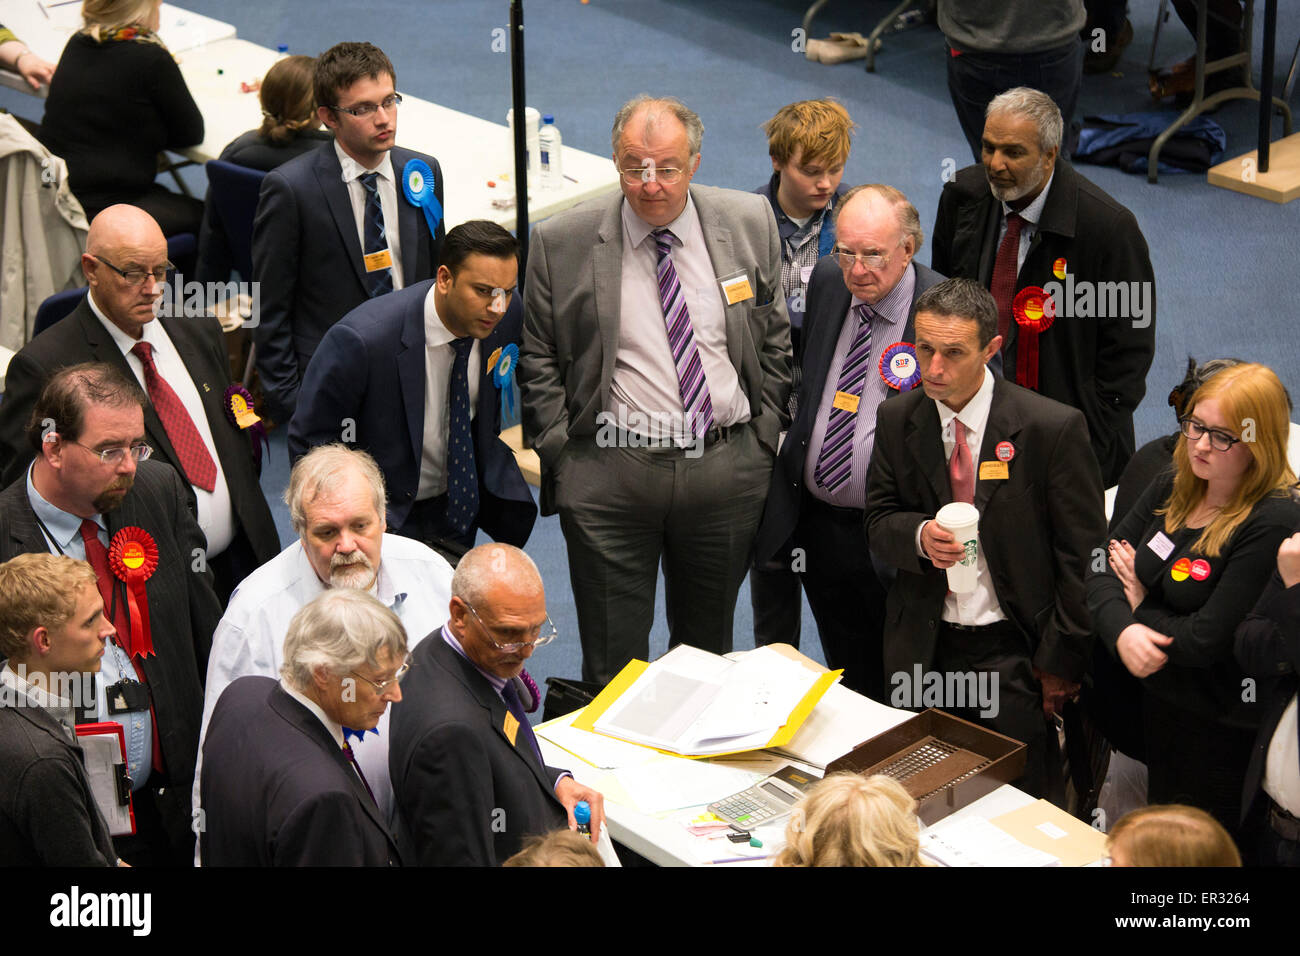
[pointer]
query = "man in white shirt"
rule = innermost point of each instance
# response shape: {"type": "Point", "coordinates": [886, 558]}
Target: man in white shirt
{"type": "Point", "coordinates": [334, 226]}
{"type": "Point", "coordinates": [1022, 638]}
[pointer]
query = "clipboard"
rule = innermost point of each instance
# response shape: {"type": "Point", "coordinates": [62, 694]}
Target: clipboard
{"type": "Point", "coordinates": [103, 746]}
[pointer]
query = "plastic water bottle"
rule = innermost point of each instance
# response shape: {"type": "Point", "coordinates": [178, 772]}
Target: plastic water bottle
{"type": "Point", "coordinates": [281, 51]}
{"type": "Point", "coordinates": [548, 141]}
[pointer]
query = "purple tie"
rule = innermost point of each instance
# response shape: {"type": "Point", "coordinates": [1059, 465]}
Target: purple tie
{"type": "Point", "coordinates": [681, 339]}
{"type": "Point", "coordinates": [835, 462]}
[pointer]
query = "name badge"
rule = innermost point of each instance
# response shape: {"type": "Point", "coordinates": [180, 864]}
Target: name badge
{"type": "Point", "coordinates": [1161, 545]}
{"type": "Point", "coordinates": [847, 401]}
{"type": "Point", "coordinates": [511, 727]}
{"type": "Point", "coordinates": [805, 273]}
{"type": "Point", "coordinates": [383, 259]}
{"type": "Point", "coordinates": [993, 471]}
{"type": "Point", "coordinates": [736, 289]}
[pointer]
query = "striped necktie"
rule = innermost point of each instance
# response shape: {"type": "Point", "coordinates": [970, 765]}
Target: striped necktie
{"type": "Point", "coordinates": [696, 402]}
{"type": "Point", "coordinates": [835, 462]}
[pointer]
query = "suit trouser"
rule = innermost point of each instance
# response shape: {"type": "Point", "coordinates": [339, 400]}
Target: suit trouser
{"type": "Point", "coordinates": [776, 600]}
{"type": "Point", "coordinates": [626, 510]}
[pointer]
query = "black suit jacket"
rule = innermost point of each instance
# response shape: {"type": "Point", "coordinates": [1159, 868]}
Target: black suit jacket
{"type": "Point", "coordinates": [467, 795]}
{"type": "Point", "coordinates": [1038, 527]}
{"type": "Point", "coordinates": [81, 337]}
{"type": "Point", "coordinates": [1268, 648]}
{"type": "Point", "coordinates": [278, 791]}
{"type": "Point", "coordinates": [370, 368]}
{"type": "Point", "coordinates": [307, 257]}
{"type": "Point", "coordinates": [1097, 365]}
{"type": "Point", "coordinates": [827, 306]}
{"type": "Point", "coordinates": [183, 613]}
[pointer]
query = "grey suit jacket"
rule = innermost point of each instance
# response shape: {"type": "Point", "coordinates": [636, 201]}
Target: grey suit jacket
{"type": "Point", "coordinates": [571, 317]}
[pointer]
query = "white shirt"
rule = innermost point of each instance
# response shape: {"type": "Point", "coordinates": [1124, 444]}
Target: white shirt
{"type": "Point", "coordinates": [387, 187]}
{"type": "Point", "coordinates": [978, 607]}
{"type": "Point", "coordinates": [1030, 214]}
{"type": "Point", "coordinates": [439, 357]}
{"type": "Point", "coordinates": [335, 730]}
{"type": "Point", "coordinates": [215, 513]}
{"type": "Point", "coordinates": [413, 580]}
{"type": "Point", "coordinates": [1281, 766]}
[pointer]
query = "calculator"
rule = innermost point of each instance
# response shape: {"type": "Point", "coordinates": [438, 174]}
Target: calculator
{"type": "Point", "coordinates": [766, 801]}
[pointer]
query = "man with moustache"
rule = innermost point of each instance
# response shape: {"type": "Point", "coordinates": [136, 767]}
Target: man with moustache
{"type": "Point", "coordinates": [92, 495]}
{"type": "Point", "coordinates": [1021, 221]}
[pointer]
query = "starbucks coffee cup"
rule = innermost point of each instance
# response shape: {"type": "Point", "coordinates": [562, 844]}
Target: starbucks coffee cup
{"type": "Point", "coordinates": [962, 521]}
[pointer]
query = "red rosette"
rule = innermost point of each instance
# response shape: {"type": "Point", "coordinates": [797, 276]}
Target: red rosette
{"type": "Point", "coordinates": [133, 558]}
{"type": "Point", "coordinates": [1034, 312]}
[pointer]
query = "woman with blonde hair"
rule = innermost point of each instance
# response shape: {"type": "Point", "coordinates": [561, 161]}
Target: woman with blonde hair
{"type": "Point", "coordinates": [116, 101]}
{"type": "Point", "coordinates": [1186, 565]}
{"type": "Point", "coordinates": [851, 820]}
{"type": "Point", "coordinates": [1170, 835]}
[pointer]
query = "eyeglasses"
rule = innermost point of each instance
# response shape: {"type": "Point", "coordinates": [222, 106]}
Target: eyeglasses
{"type": "Point", "coordinates": [140, 276]}
{"type": "Point", "coordinates": [1219, 440]}
{"type": "Point", "coordinates": [389, 102]}
{"type": "Point", "coordinates": [668, 175]}
{"type": "Point", "coordinates": [114, 456]}
{"type": "Point", "coordinates": [873, 260]}
{"type": "Point", "coordinates": [381, 686]}
{"type": "Point", "coordinates": [545, 632]}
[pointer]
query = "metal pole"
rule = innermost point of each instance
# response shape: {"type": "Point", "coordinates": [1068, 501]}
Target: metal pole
{"type": "Point", "coordinates": [1266, 84]}
{"type": "Point", "coordinates": [518, 102]}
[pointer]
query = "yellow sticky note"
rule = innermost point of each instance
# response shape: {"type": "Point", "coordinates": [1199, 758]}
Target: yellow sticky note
{"type": "Point", "coordinates": [383, 259]}
{"type": "Point", "coordinates": [847, 401]}
{"type": "Point", "coordinates": [511, 727]}
{"type": "Point", "coordinates": [737, 289]}
{"type": "Point", "coordinates": [993, 471]}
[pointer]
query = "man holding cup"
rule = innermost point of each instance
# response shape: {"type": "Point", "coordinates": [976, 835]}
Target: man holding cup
{"type": "Point", "coordinates": [992, 594]}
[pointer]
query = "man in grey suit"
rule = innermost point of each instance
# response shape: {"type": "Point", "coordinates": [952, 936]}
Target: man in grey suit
{"type": "Point", "coordinates": [860, 307]}
{"type": "Point", "coordinates": [655, 371]}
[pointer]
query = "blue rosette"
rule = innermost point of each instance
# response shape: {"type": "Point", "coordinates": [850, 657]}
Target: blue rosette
{"type": "Point", "coordinates": [899, 367]}
{"type": "Point", "coordinates": [503, 376]}
{"type": "Point", "coordinates": [417, 185]}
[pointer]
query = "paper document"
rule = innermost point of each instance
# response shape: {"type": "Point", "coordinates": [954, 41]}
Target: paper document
{"type": "Point", "coordinates": [974, 841]}
{"type": "Point", "coordinates": [103, 754]}
{"type": "Point", "coordinates": [840, 721]}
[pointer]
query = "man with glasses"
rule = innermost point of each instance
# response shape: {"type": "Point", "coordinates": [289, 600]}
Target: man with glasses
{"type": "Point", "coordinates": [467, 770]}
{"type": "Point", "coordinates": [861, 302]}
{"type": "Point", "coordinates": [180, 361]}
{"type": "Point", "coordinates": [655, 372]}
{"type": "Point", "coordinates": [336, 500]}
{"type": "Point", "coordinates": [93, 495]}
{"type": "Point", "coordinates": [333, 227]}
{"type": "Point", "coordinates": [281, 785]}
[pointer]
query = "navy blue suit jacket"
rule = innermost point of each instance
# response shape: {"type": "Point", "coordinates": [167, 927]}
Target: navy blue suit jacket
{"type": "Point", "coordinates": [370, 368]}
{"type": "Point", "coordinates": [307, 259]}
{"type": "Point", "coordinates": [827, 306]}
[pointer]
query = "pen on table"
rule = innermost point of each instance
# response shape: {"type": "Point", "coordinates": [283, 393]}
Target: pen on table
{"type": "Point", "coordinates": [737, 859]}
{"type": "Point", "coordinates": [569, 178]}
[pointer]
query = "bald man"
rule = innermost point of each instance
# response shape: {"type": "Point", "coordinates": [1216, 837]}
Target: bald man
{"type": "Point", "coordinates": [180, 361]}
{"type": "Point", "coordinates": [466, 769]}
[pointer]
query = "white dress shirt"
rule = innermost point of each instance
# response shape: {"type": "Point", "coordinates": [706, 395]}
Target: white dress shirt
{"type": "Point", "coordinates": [439, 357]}
{"type": "Point", "coordinates": [387, 186]}
{"type": "Point", "coordinates": [216, 515]}
{"type": "Point", "coordinates": [1281, 765]}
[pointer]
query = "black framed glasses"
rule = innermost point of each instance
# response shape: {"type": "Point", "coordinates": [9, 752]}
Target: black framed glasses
{"type": "Point", "coordinates": [1219, 439]}
{"type": "Point", "coordinates": [114, 456]}
{"type": "Point", "coordinates": [382, 686]}
{"type": "Point", "coordinates": [544, 633]}
{"type": "Point", "coordinates": [389, 102]}
{"type": "Point", "coordinates": [139, 276]}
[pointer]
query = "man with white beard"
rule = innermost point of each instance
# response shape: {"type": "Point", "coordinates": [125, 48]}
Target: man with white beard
{"type": "Point", "coordinates": [336, 500]}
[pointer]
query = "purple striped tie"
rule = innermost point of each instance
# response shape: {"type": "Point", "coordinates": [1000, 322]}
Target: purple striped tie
{"type": "Point", "coordinates": [681, 339]}
{"type": "Point", "coordinates": [835, 463]}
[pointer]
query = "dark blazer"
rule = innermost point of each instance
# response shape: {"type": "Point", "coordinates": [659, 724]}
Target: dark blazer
{"type": "Point", "coordinates": [1268, 648]}
{"type": "Point", "coordinates": [1038, 527]}
{"type": "Point", "coordinates": [467, 796]}
{"type": "Point", "coordinates": [278, 791]}
{"type": "Point", "coordinates": [307, 257]}
{"type": "Point", "coordinates": [370, 368]}
{"type": "Point", "coordinates": [1097, 365]}
{"type": "Point", "coordinates": [183, 613]}
{"type": "Point", "coordinates": [80, 337]}
{"type": "Point", "coordinates": [827, 306]}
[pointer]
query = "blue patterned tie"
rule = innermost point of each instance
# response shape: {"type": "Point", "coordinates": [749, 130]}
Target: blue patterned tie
{"type": "Point", "coordinates": [381, 280]}
{"type": "Point", "coordinates": [691, 383]}
{"type": "Point", "coordinates": [462, 477]}
{"type": "Point", "coordinates": [835, 462]}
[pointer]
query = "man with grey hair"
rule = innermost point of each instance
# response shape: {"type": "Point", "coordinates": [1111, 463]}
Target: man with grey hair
{"type": "Point", "coordinates": [655, 372]}
{"type": "Point", "coordinates": [336, 501]}
{"type": "Point", "coordinates": [860, 309]}
{"type": "Point", "coordinates": [1067, 266]}
{"type": "Point", "coordinates": [281, 785]}
{"type": "Point", "coordinates": [467, 770]}
{"type": "Point", "coordinates": [1013, 647]}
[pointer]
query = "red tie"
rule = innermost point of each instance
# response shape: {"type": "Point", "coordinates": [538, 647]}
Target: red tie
{"type": "Point", "coordinates": [961, 472]}
{"type": "Point", "coordinates": [97, 556]}
{"type": "Point", "coordinates": [1005, 268]}
{"type": "Point", "coordinates": [195, 460]}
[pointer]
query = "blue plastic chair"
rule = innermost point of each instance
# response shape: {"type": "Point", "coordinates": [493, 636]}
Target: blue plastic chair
{"type": "Point", "coordinates": [233, 192]}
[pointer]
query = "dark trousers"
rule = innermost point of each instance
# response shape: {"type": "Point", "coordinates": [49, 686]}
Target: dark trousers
{"type": "Point", "coordinates": [427, 522]}
{"type": "Point", "coordinates": [776, 599]}
{"type": "Point", "coordinates": [974, 79]}
{"type": "Point", "coordinates": [1261, 844]}
{"type": "Point", "coordinates": [1000, 650]}
{"type": "Point", "coordinates": [846, 597]}
{"type": "Point", "coordinates": [1222, 25]}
